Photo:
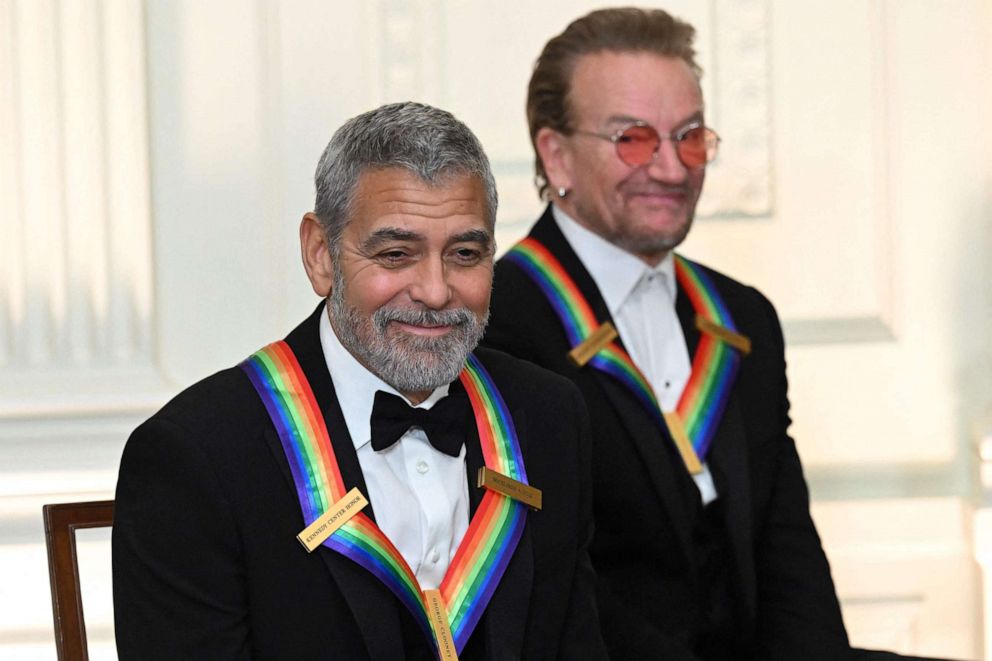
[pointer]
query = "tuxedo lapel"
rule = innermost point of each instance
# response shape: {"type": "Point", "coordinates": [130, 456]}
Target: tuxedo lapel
{"type": "Point", "coordinates": [305, 343]}
{"type": "Point", "coordinates": [373, 606]}
{"type": "Point", "coordinates": [504, 621]}
{"type": "Point", "coordinates": [687, 319]}
{"type": "Point", "coordinates": [473, 462]}
{"type": "Point", "coordinates": [656, 453]}
{"type": "Point", "coordinates": [728, 462]}
{"type": "Point", "coordinates": [651, 444]}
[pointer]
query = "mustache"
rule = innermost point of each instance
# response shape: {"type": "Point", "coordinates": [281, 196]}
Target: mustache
{"type": "Point", "coordinates": [660, 189]}
{"type": "Point", "coordinates": [655, 188]}
{"type": "Point", "coordinates": [421, 317]}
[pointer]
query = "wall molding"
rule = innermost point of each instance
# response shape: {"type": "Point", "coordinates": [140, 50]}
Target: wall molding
{"type": "Point", "coordinates": [739, 181]}
{"type": "Point", "coordinates": [77, 286]}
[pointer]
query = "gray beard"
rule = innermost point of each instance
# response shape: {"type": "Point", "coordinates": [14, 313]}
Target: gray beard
{"type": "Point", "coordinates": [409, 363]}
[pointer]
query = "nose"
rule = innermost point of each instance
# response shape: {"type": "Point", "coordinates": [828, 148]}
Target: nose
{"type": "Point", "coordinates": [666, 165]}
{"type": "Point", "coordinates": [430, 283]}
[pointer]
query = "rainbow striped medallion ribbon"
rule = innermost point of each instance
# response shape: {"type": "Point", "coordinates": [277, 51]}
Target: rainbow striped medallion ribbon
{"type": "Point", "coordinates": [492, 535]}
{"type": "Point", "coordinates": [714, 365]}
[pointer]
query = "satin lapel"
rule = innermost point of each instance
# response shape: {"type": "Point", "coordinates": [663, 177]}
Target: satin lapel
{"type": "Point", "coordinates": [687, 319]}
{"type": "Point", "coordinates": [505, 620]}
{"type": "Point", "coordinates": [305, 343]}
{"type": "Point", "coordinates": [650, 442]}
{"type": "Point", "coordinates": [373, 606]}
{"type": "Point", "coordinates": [657, 454]}
{"type": "Point", "coordinates": [729, 464]}
{"type": "Point", "coordinates": [473, 462]}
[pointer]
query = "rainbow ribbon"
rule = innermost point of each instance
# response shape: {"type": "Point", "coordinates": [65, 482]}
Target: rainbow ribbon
{"type": "Point", "coordinates": [714, 365]}
{"type": "Point", "coordinates": [492, 535]}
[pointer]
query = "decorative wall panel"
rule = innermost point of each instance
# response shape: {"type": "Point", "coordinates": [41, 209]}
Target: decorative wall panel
{"type": "Point", "coordinates": [76, 286]}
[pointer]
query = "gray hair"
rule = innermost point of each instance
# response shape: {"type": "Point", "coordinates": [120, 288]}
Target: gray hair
{"type": "Point", "coordinates": [427, 141]}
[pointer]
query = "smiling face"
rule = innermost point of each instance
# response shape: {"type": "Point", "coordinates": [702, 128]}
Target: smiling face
{"type": "Point", "coordinates": [645, 210]}
{"type": "Point", "coordinates": [410, 280]}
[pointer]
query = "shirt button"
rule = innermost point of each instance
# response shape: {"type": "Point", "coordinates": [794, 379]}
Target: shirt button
{"type": "Point", "coordinates": [435, 556]}
{"type": "Point", "coordinates": [422, 467]}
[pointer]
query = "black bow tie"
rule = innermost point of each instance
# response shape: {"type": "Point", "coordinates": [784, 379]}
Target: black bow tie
{"type": "Point", "coordinates": [444, 423]}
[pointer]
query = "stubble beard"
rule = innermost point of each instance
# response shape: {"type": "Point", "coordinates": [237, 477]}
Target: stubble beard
{"type": "Point", "coordinates": [636, 239]}
{"type": "Point", "coordinates": [632, 235]}
{"type": "Point", "coordinates": [407, 362]}
{"type": "Point", "coordinates": [650, 244]}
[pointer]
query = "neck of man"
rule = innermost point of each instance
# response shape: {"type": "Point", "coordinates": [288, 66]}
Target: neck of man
{"type": "Point", "coordinates": [416, 397]}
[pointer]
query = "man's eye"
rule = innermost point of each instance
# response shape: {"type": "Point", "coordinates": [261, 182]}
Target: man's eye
{"type": "Point", "coordinates": [392, 256]}
{"type": "Point", "coordinates": [693, 136]}
{"type": "Point", "coordinates": [467, 255]}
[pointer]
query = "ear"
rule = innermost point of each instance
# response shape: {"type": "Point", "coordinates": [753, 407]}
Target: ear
{"type": "Point", "coordinates": [316, 255]}
{"type": "Point", "coordinates": [553, 148]}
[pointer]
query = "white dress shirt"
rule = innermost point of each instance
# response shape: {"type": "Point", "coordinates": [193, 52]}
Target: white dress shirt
{"type": "Point", "coordinates": [419, 494]}
{"type": "Point", "coordinates": [641, 300]}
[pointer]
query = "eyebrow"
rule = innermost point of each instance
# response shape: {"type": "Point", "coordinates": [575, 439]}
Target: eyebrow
{"type": "Point", "coordinates": [625, 120]}
{"type": "Point", "coordinates": [482, 237]}
{"type": "Point", "coordinates": [385, 235]}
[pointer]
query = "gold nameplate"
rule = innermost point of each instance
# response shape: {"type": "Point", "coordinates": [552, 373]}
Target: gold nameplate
{"type": "Point", "coordinates": [439, 621]}
{"type": "Point", "coordinates": [526, 494]}
{"type": "Point", "coordinates": [589, 347]}
{"type": "Point", "coordinates": [737, 340]}
{"type": "Point", "coordinates": [682, 442]}
{"type": "Point", "coordinates": [335, 517]}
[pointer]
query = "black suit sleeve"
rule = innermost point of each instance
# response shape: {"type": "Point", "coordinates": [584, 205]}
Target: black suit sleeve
{"type": "Point", "coordinates": [178, 588]}
{"type": "Point", "coordinates": [798, 615]}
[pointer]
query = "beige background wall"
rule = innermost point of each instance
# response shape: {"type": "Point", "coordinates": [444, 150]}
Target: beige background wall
{"type": "Point", "coordinates": [155, 158]}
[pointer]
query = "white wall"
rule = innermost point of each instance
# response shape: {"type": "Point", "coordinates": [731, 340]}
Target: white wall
{"type": "Point", "coordinates": [155, 158]}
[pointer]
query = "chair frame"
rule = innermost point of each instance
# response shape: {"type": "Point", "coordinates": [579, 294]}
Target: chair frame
{"type": "Point", "coordinates": [61, 522]}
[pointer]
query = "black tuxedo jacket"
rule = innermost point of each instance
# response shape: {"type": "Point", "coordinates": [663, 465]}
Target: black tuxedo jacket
{"type": "Point", "coordinates": [643, 547]}
{"type": "Point", "coordinates": [206, 564]}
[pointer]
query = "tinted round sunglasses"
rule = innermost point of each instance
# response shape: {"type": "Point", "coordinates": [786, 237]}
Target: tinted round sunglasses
{"type": "Point", "coordinates": [638, 144]}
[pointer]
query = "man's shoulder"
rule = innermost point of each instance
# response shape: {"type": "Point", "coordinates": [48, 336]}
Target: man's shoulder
{"type": "Point", "coordinates": [723, 281]}
{"type": "Point", "coordinates": [221, 405]}
{"type": "Point", "coordinates": [734, 292]}
{"type": "Point", "coordinates": [216, 425]}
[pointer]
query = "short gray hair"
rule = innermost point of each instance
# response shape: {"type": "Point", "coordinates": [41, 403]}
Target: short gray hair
{"type": "Point", "coordinates": [424, 140]}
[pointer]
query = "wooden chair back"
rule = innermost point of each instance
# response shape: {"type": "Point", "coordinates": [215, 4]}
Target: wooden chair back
{"type": "Point", "coordinates": [61, 522]}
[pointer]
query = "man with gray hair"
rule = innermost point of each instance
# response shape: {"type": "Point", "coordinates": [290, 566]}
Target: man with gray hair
{"type": "Point", "coordinates": [372, 487]}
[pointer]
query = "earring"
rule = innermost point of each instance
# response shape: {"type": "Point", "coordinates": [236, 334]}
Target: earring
{"type": "Point", "coordinates": [562, 191]}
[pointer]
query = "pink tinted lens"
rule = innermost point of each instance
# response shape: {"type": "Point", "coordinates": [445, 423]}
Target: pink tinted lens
{"type": "Point", "coordinates": [637, 145]}
{"type": "Point", "coordinates": [694, 147]}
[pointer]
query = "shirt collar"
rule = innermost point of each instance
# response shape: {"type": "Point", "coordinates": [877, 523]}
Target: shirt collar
{"type": "Point", "coordinates": [615, 271]}
{"type": "Point", "coordinates": [355, 386]}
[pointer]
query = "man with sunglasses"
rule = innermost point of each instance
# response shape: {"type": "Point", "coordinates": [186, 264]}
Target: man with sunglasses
{"type": "Point", "coordinates": [704, 545]}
